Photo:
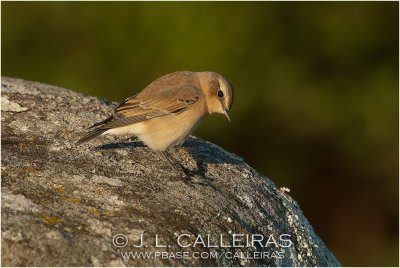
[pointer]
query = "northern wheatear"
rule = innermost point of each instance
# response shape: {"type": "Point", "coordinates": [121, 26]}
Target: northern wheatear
{"type": "Point", "coordinates": [166, 112]}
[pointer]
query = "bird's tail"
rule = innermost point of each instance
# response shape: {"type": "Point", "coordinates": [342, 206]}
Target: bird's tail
{"type": "Point", "coordinates": [101, 128]}
{"type": "Point", "coordinates": [91, 135]}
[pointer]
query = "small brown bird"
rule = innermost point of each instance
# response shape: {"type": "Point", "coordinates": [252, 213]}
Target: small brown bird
{"type": "Point", "coordinates": [166, 112]}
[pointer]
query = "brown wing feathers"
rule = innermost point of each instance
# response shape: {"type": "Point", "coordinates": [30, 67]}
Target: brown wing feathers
{"type": "Point", "coordinates": [135, 110]}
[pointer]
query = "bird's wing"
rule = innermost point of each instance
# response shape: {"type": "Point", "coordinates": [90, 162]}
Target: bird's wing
{"type": "Point", "coordinates": [141, 108]}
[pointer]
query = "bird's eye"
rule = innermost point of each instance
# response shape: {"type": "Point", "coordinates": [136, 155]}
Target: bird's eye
{"type": "Point", "coordinates": [220, 94]}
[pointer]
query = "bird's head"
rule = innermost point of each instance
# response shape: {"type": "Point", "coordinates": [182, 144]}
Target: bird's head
{"type": "Point", "coordinates": [218, 93]}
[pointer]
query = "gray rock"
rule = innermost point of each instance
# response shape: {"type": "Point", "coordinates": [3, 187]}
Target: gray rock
{"type": "Point", "coordinates": [9, 106]}
{"type": "Point", "coordinates": [63, 205]}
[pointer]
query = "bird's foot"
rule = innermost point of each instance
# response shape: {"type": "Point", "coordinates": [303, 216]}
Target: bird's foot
{"type": "Point", "coordinates": [180, 170]}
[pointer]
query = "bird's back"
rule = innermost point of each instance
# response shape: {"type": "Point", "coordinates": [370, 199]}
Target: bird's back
{"type": "Point", "coordinates": [166, 85]}
{"type": "Point", "coordinates": [160, 114]}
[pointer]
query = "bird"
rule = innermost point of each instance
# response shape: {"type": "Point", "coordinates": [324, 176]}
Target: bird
{"type": "Point", "coordinates": [167, 111]}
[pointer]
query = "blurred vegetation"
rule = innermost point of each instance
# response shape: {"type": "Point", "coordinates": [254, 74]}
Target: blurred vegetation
{"type": "Point", "coordinates": [316, 101]}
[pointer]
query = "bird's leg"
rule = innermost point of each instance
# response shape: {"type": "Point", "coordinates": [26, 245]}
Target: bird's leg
{"type": "Point", "coordinates": [176, 166]}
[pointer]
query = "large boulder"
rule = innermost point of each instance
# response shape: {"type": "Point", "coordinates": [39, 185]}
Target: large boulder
{"type": "Point", "coordinates": [89, 205]}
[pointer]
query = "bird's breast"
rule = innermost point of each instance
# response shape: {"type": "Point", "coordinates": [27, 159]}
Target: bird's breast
{"type": "Point", "coordinates": [163, 132]}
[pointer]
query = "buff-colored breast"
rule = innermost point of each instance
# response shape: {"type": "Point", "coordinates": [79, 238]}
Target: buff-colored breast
{"type": "Point", "coordinates": [163, 132]}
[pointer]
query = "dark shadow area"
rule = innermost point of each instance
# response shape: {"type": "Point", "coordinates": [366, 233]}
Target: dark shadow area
{"type": "Point", "coordinates": [119, 145]}
{"type": "Point", "coordinates": [202, 154]}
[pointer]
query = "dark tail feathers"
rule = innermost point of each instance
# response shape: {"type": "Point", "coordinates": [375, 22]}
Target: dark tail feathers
{"type": "Point", "coordinates": [96, 132]}
{"type": "Point", "coordinates": [91, 135]}
{"type": "Point", "coordinates": [108, 119]}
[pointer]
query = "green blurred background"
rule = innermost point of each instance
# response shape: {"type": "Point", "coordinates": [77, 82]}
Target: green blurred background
{"type": "Point", "coordinates": [316, 104]}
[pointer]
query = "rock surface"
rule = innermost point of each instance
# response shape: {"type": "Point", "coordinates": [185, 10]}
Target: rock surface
{"type": "Point", "coordinates": [63, 205]}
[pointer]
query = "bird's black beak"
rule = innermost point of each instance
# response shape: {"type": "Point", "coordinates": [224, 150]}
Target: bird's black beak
{"type": "Point", "coordinates": [226, 113]}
